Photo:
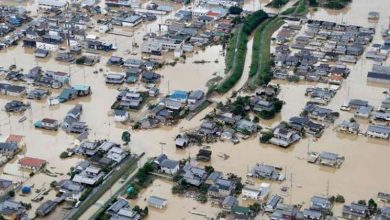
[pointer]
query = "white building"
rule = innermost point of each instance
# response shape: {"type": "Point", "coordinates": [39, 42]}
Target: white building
{"type": "Point", "coordinates": [48, 4]}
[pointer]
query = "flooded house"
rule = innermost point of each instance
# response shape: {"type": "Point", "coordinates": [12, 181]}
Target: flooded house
{"type": "Point", "coordinates": [378, 131]}
{"type": "Point", "coordinates": [127, 100]}
{"type": "Point", "coordinates": [37, 94]}
{"type": "Point", "coordinates": [90, 175]}
{"type": "Point", "coordinates": [115, 78]}
{"type": "Point", "coordinates": [121, 209]}
{"type": "Point", "coordinates": [272, 203]}
{"type": "Point", "coordinates": [195, 99]}
{"type": "Point", "coordinates": [349, 127]}
{"type": "Point", "coordinates": [121, 115]}
{"type": "Point", "coordinates": [319, 113]}
{"type": "Point", "coordinates": [364, 111]}
{"type": "Point", "coordinates": [385, 105]}
{"type": "Point", "coordinates": [330, 159]}
{"type": "Point", "coordinates": [194, 175]}
{"type": "Point", "coordinates": [320, 204]}
{"type": "Point", "coordinates": [157, 202]}
{"type": "Point", "coordinates": [31, 163]}
{"type": "Point", "coordinates": [304, 124]}
{"type": "Point", "coordinates": [260, 194]}
{"type": "Point", "coordinates": [355, 210]}
{"type": "Point", "coordinates": [12, 90]}
{"type": "Point", "coordinates": [264, 171]}
{"type": "Point", "coordinates": [70, 190]}
{"type": "Point", "coordinates": [285, 211]}
{"type": "Point", "coordinates": [312, 214]}
{"type": "Point", "coordinates": [8, 150]}
{"type": "Point", "coordinates": [357, 103]}
{"type": "Point", "coordinates": [48, 124]}
{"type": "Point", "coordinates": [221, 188]}
{"type": "Point", "coordinates": [284, 137]}
{"type": "Point", "coordinates": [379, 74]}
{"type": "Point", "coordinates": [166, 165]}
{"type": "Point", "coordinates": [15, 106]}
{"type": "Point", "coordinates": [46, 208]}
{"type": "Point", "coordinates": [385, 197]}
{"type": "Point", "coordinates": [11, 209]}
{"type": "Point", "coordinates": [229, 203]}
{"type": "Point", "coordinates": [203, 155]}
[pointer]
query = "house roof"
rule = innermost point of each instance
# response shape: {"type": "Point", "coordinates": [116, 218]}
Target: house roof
{"type": "Point", "coordinates": [15, 138]}
{"type": "Point", "coordinates": [32, 162]}
{"type": "Point", "coordinates": [4, 184]}
{"type": "Point", "coordinates": [157, 201]}
{"type": "Point", "coordinates": [170, 164]}
{"type": "Point", "coordinates": [55, 3]}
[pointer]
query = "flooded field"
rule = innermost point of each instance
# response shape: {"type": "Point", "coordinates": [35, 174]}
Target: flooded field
{"type": "Point", "coordinates": [362, 175]}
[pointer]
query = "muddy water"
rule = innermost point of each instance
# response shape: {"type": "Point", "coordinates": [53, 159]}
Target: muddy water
{"type": "Point", "coordinates": [177, 207]}
{"type": "Point", "coordinates": [359, 177]}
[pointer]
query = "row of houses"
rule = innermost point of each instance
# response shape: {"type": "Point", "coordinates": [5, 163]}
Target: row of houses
{"type": "Point", "coordinates": [173, 107]}
{"type": "Point", "coordinates": [320, 42]}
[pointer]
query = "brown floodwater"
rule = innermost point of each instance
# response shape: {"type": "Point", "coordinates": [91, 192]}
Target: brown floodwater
{"type": "Point", "coordinates": [362, 175]}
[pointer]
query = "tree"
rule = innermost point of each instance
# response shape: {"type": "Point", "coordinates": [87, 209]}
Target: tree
{"type": "Point", "coordinates": [266, 137]}
{"type": "Point", "coordinates": [126, 137]}
{"type": "Point", "coordinates": [339, 199]}
{"type": "Point", "coordinates": [372, 206]}
{"type": "Point", "coordinates": [11, 193]}
{"type": "Point", "coordinates": [234, 10]}
{"type": "Point", "coordinates": [255, 208]}
{"type": "Point", "coordinates": [209, 169]}
{"type": "Point", "coordinates": [146, 211]}
{"type": "Point", "coordinates": [64, 155]}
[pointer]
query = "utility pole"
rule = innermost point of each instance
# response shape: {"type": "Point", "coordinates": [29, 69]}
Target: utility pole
{"type": "Point", "coordinates": [162, 147]}
{"type": "Point", "coordinates": [291, 188]}
{"type": "Point", "coordinates": [327, 188]}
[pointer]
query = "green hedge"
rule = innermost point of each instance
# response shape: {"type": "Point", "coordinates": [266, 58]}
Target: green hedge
{"type": "Point", "coordinates": [231, 46]}
{"type": "Point", "coordinates": [277, 3]}
{"type": "Point", "coordinates": [236, 73]}
{"type": "Point", "coordinates": [252, 21]}
{"type": "Point", "coordinates": [256, 46]}
{"type": "Point", "coordinates": [264, 74]}
{"type": "Point", "coordinates": [237, 55]}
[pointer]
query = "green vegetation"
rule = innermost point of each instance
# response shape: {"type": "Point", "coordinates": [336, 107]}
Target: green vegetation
{"type": "Point", "coordinates": [256, 46]}
{"type": "Point", "coordinates": [252, 21]}
{"type": "Point", "coordinates": [263, 74]}
{"type": "Point", "coordinates": [238, 62]}
{"type": "Point", "coordinates": [126, 137]}
{"type": "Point", "coordinates": [276, 108]}
{"type": "Point", "coordinates": [236, 50]}
{"type": "Point", "coordinates": [289, 11]}
{"type": "Point", "coordinates": [255, 208]}
{"type": "Point", "coordinates": [336, 4]}
{"type": "Point", "coordinates": [142, 212]}
{"type": "Point", "coordinates": [266, 137]}
{"type": "Point", "coordinates": [234, 10]}
{"type": "Point", "coordinates": [277, 3]}
{"type": "Point", "coordinates": [64, 155]}
{"type": "Point", "coordinates": [230, 51]}
{"type": "Point", "coordinates": [143, 177]}
{"type": "Point", "coordinates": [302, 8]}
{"type": "Point", "coordinates": [85, 194]}
{"type": "Point", "coordinates": [11, 193]}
